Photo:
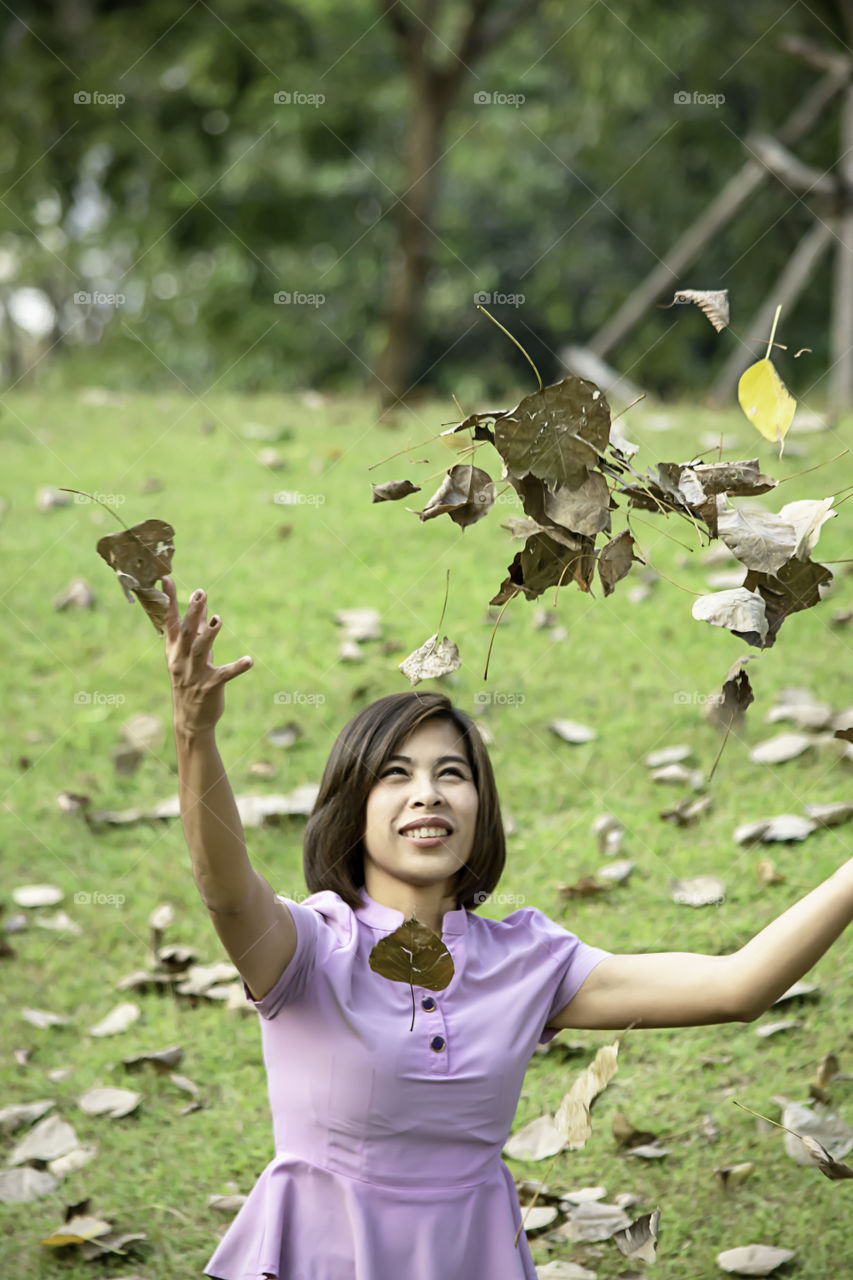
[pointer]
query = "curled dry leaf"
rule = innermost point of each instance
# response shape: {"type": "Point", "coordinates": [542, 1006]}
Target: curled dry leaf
{"type": "Point", "coordinates": [433, 659]}
{"type": "Point", "coordinates": [466, 494]}
{"type": "Point", "coordinates": [741, 611]}
{"type": "Point", "coordinates": [830, 1168]}
{"type": "Point", "coordinates": [573, 1114]}
{"type": "Point", "coordinates": [639, 1241]}
{"type": "Point", "coordinates": [593, 1221]}
{"type": "Point", "coordinates": [786, 826]}
{"type": "Point", "coordinates": [163, 1061]}
{"type": "Point", "coordinates": [726, 709]}
{"type": "Point", "coordinates": [825, 1127]}
{"type": "Point", "coordinates": [615, 559]}
{"type": "Point", "coordinates": [393, 490]}
{"type": "Point", "coordinates": [76, 1230]}
{"type": "Point", "coordinates": [140, 556]}
{"type": "Point", "coordinates": [713, 303]}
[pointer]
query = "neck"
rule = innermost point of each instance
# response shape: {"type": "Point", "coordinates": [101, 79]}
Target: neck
{"type": "Point", "coordinates": [428, 903]}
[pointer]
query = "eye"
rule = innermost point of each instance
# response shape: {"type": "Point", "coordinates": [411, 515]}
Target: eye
{"type": "Point", "coordinates": [394, 768]}
{"type": "Point", "coordinates": [452, 769]}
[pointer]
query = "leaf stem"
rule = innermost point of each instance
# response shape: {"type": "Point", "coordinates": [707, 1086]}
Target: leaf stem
{"type": "Point", "coordinates": [492, 639]}
{"type": "Point", "coordinates": [444, 606]}
{"type": "Point", "coordinates": [773, 332]}
{"type": "Point", "coordinates": [92, 498]}
{"type": "Point", "coordinates": [512, 339]}
{"type": "Point", "coordinates": [816, 467]}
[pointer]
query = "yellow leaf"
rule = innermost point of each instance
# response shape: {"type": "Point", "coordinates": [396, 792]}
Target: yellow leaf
{"type": "Point", "coordinates": [766, 400]}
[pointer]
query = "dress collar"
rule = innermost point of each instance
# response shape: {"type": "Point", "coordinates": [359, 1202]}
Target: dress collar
{"type": "Point", "coordinates": [381, 917]}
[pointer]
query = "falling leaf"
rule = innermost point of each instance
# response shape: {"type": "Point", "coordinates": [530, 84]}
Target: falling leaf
{"type": "Point", "coordinates": [77, 595]}
{"type": "Point", "coordinates": [740, 610]}
{"type": "Point", "coordinates": [823, 1126]}
{"type": "Point", "coordinates": [433, 659]}
{"type": "Point", "coordinates": [557, 433]}
{"type": "Point", "coordinates": [571, 731]}
{"type": "Point", "coordinates": [639, 1241]}
{"type": "Point", "coordinates": [698, 891]}
{"type": "Point", "coordinates": [466, 494]}
{"type": "Point", "coordinates": [615, 559]}
{"type": "Point", "coordinates": [111, 1102]}
{"type": "Point", "coordinates": [573, 1114]}
{"type": "Point", "coordinates": [713, 303]}
{"type": "Point", "coordinates": [766, 400]}
{"type": "Point", "coordinates": [758, 538]}
{"type": "Point", "coordinates": [393, 490]}
{"type": "Point", "coordinates": [753, 1259]}
{"type": "Point", "coordinates": [727, 709]}
{"type": "Point", "coordinates": [544, 562]}
{"type": "Point", "coordinates": [37, 895]}
{"type": "Point", "coordinates": [140, 556]}
{"type": "Point", "coordinates": [799, 991]}
{"type": "Point", "coordinates": [117, 1020]}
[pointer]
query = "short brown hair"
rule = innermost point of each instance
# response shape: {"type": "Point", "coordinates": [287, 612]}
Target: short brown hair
{"type": "Point", "coordinates": [333, 855]}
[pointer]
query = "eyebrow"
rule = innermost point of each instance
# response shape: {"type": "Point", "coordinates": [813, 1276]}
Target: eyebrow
{"type": "Point", "coordinates": [440, 760]}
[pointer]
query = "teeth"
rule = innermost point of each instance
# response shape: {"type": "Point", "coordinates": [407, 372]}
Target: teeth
{"type": "Point", "coordinates": [423, 833]}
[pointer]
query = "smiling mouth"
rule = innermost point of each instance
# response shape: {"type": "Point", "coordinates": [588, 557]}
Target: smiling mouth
{"type": "Point", "coordinates": [426, 833]}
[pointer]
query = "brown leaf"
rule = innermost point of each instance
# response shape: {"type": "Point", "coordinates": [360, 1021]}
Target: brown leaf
{"type": "Point", "coordinates": [687, 810]}
{"type": "Point", "coordinates": [557, 433]}
{"type": "Point", "coordinates": [713, 303]}
{"type": "Point", "coordinates": [140, 556]}
{"type": "Point", "coordinates": [829, 1168]}
{"type": "Point", "coordinates": [586, 887]}
{"type": "Point", "coordinates": [466, 494]}
{"type": "Point", "coordinates": [393, 490]}
{"type": "Point", "coordinates": [794, 587]}
{"type": "Point", "coordinates": [729, 706]}
{"type": "Point", "coordinates": [626, 1134]}
{"type": "Point", "coordinates": [767, 872]}
{"type": "Point", "coordinates": [640, 1239]}
{"type": "Point", "coordinates": [433, 659]}
{"type": "Point", "coordinates": [415, 955]}
{"type": "Point", "coordinates": [544, 563]}
{"type": "Point", "coordinates": [615, 559]}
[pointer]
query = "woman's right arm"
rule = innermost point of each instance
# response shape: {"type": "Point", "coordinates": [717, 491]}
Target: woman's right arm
{"type": "Point", "coordinates": [256, 929]}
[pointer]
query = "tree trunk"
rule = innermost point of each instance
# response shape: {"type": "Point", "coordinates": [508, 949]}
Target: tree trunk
{"type": "Point", "coordinates": [404, 296]}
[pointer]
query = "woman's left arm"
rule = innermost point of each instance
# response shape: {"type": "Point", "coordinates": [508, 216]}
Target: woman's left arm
{"type": "Point", "coordinates": [682, 989]}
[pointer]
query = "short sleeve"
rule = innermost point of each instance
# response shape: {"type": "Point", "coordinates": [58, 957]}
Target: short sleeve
{"type": "Point", "coordinates": [563, 962]}
{"type": "Point", "coordinates": [321, 927]}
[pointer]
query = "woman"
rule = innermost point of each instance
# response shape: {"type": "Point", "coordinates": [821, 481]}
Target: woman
{"type": "Point", "coordinates": [388, 1140]}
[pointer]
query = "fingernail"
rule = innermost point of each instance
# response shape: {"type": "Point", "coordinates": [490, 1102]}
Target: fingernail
{"type": "Point", "coordinates": [214, 621]}
{"type": "Point", "coordinates": [198, 595]}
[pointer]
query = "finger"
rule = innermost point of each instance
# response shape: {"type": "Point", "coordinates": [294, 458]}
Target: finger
{"type": "Point", "coordinates": [173, 618]}
{"type": "Point", "coordinates": [231, 669]}
{"type": "Point", "coordinates": [205, 636]}
{"type": "Point", "coordinates": [196, 610]}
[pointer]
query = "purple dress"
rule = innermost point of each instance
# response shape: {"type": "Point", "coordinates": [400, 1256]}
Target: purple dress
{"type": "Point", "coordinates": [388, 1141]}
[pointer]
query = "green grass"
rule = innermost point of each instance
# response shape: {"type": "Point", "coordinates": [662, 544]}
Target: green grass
{"type": "Point", "coordinates": [621, 669]}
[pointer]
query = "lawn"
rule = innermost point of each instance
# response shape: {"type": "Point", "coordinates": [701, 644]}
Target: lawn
{"type": "Point", "coordinates": [277, 572]}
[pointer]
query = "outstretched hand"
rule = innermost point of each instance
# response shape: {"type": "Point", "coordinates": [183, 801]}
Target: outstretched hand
{"type": "Point", "coordinates": [198, 687]}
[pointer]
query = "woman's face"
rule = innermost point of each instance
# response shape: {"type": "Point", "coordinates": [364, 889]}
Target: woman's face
{"type": "Point", "coordinates": [427, 787]}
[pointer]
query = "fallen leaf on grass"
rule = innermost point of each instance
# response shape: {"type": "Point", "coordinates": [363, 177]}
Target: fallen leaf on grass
{"type": "Point", "coordinates": [37, 895]}
{"type": "Point", "coordinates": [667, 755]}
{"type": "Point", "coordinates": [117, 1020]}
{"type": "Point", "coordinates": [732, 1174]}
{"type": "Point", "coordinates": [537, 1140]}
{"type": "Point", "coordinates": [616, 872]}
{"type": "Point", "coordinates": [798, 991]}
{"type": "Point", "coordinates": [773, 1028]}
{"type": "Point", "coordinates": [626, 1134]}
{"type": "Point", "coordinates": [586, 887]}
{"type": "Point", "coordinates": [558, 1269]}
{"type": "Point", "coordinates": [77, 595]}
{"type": "Point", "coordinates": [639, 1241]}
{"type": "Point", "coordinates": [785, 746]}
{"type": "Point", "coordinates": [163, 1061]}
{"type": "Point", "coordinates": [649, 1151]}
{"type": "Point", "coordinates": [72, 1161]}
{"type": "Point", "coordinates": [536, 1219]}
{"type": "Point", "coordinates": [76, 1230]}
{"type": "Point", "coordinates": [360, 623]}
{"type": "Point", "coordinates": [594, 1221]}
{"type": "Point", "coordinates": [433, 659]}
{"type": "Point", "coordinates": [226, 1204]}
{"type": "Point", "coordinates": [753, 1259]}
{"type": "Point", "coordinates": [825, 1127]}
{"type": "Point", "coordinates": [109, 1102]}
{"type": "Point", "coordinates": [609, 832]}
{"type": "Point", "coordinates": [685, 813]}
{"type": "Point", "coordinates": [17, 1186]}
{"type": "Point", "coordinates": [19, 1114]}
{"type": "Point", "coordinates": [140, 556]}
{"type": "Point", "coordinates": [50, 1138]}
{"type": "Point", "coordinates": [786, 826]}
{"type": "Point", "coordinates": [830, 815]}
{"type": "Point", "coordinates": [42, 1019]}
{"type": "Point", "coordinates": [571, 731]}
{"type": "Point", "coordinates": [698, 891]}
{"type": "Point", "coordinates": [767, 872]}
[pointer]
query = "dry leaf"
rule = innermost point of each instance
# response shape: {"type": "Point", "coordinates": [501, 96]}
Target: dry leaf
{"type": "Point", "coordinates": [785, 746]}
{"type": "Point", "coordinates": [76, 1230]}
{"type": "Point", "coordinates": [667, 755]}
{"type": "Point", "coordinates": [539, 1216]}
{"type": "Point", "coordinates": [826, 1127]}
{"type": "Point", "coordinates": [415, 955]}
{"type": "Point", "coordinates": [111, 1102]}
{"type": "Point", "coordinates": [713, 303]}
{"type": "Point", "coordinates": [117, 1020]}
{"type": "Point", "coordinates": [741, 611]}
{"type": "Point", "coordinates": [20, 1185]}
{"type": "Point", "coordinates": [773, 1028]}
{"type": "Point", "coordinates": [558, 1269]}
{"type": "Point", "coordinates": [360, 624]}
{"type": "Point", "coordinates": [586, 887]}
{"type": "Point", "coordinates": [649, 1151]}
{"type": "Point", "coordinates": [13, 1117]}
{"type": "Point", "coordinates": [537, 1140]}
{"type": "Point", "coordinates": [573, 1114]}
{"type": "Point", "coordinates": [698, 891]}
{"type": "Point", "coordinates": [730, 1175]}
{"type": "Point", "coordinates": [140, 556]}
{"type": "Point", "coordinates": [571, 731]}
{"type": "Point", "coordinates": [466, 494]}
{"type": "Point", "coordinates": [42, 1019]}
{"type": "Point", "coordinates": [767, 872]}
{"type": "Point", "coordinates": [594, 1221]}
{"type": "Point", "coordinates": [431, 660]}
{"type": "Point", "coordinates": [829, 1168]}
{"type": "Point", "coordinates": [393, 490]}
{"type": "Point", "coordinates": [639, 1241]}
{"type": "Point", "coordinates": [753, 1259]}
{"type": "Point", "coordinates": [164, 1060]}
{"type": "Point", "coordinates": [687, 810]}
{"type": "Point", "coordinates": [37, 895]}
{"type": "Point", "coordinates": [50, 1138]}
{"type": "Point", "coordinates": [786, 826]}
{"type": "Point", "coordinates": [626, 1134]}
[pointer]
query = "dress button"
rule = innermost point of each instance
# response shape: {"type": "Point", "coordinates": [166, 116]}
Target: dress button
{"type": "Point", "coordinates": [427, 1004]}
{"type": "Point", "coordinates": [437, 1044]}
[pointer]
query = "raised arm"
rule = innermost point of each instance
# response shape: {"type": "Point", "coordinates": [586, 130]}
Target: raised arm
{"type": "Point", "coordinates": [255, 928]}
{"type": "Point", "coordinates": [682, 989]}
